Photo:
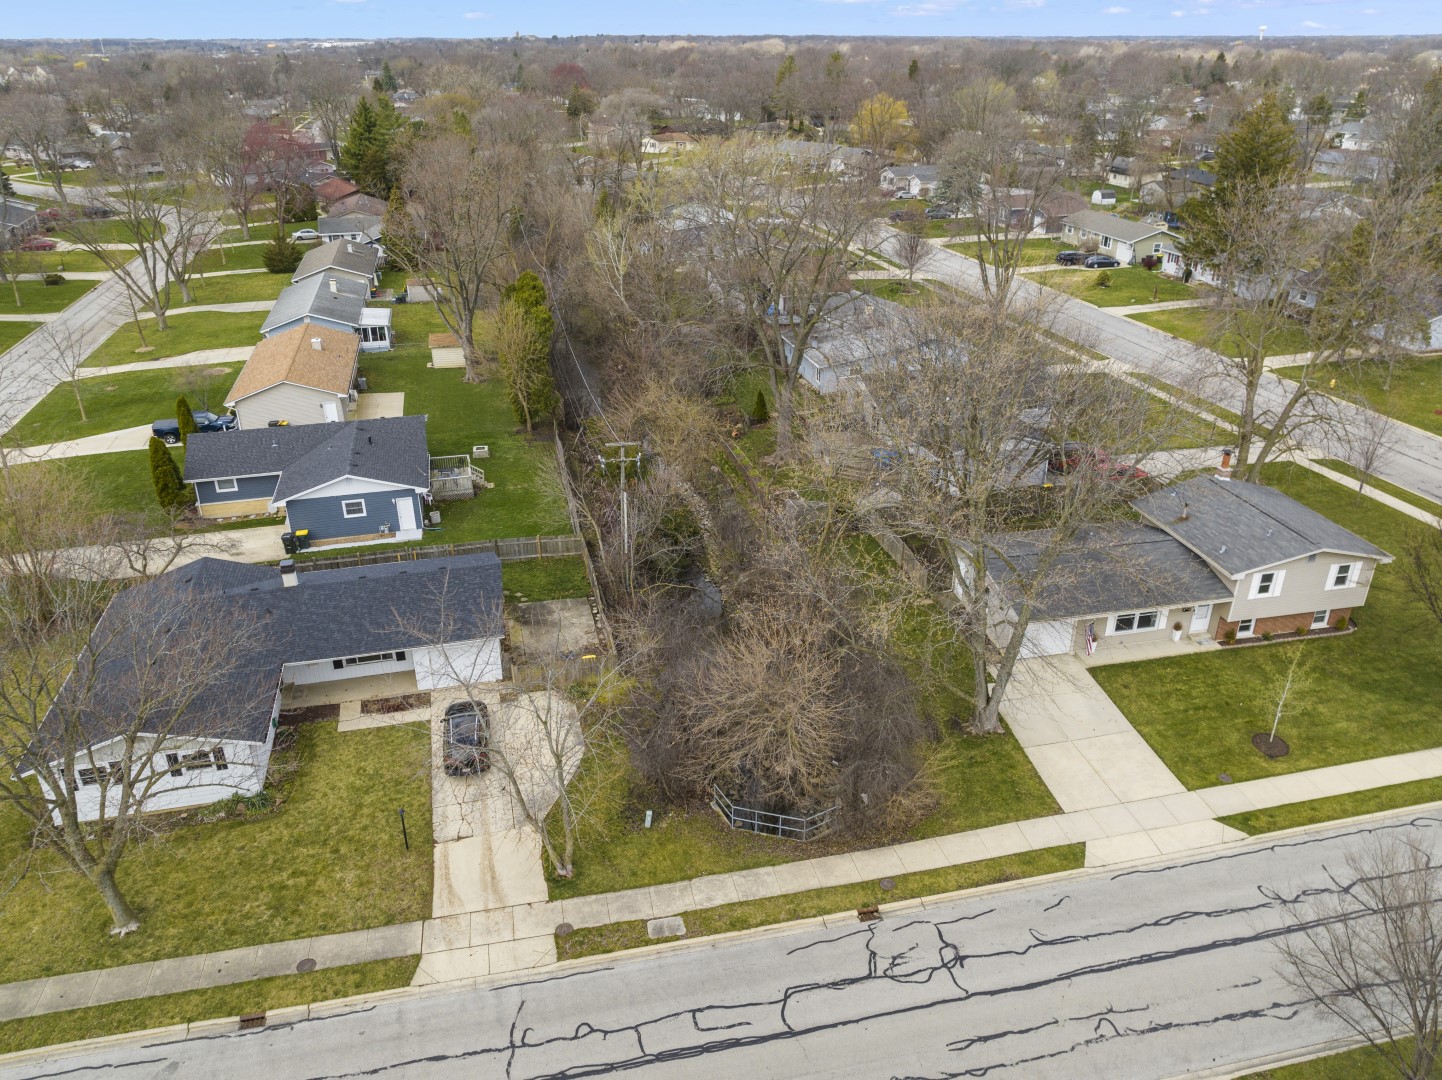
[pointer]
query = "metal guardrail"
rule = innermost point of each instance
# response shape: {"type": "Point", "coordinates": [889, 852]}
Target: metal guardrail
{"type": "Point", "coordinates": [788, 826]}
{"type": "Point", "coordinates": [507, 550]}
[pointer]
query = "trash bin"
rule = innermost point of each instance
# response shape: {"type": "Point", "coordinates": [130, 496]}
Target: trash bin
{"type": "Point", "coordinates": [287, 541]}
{"type": "Point", "coordinates": [302, 539]}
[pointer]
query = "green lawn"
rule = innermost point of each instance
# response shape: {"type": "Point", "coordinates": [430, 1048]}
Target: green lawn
{"type": "Point", "coordinates": [235, 289]}
{"type": "Point", "coordinates": [119, 482]}
{"type": "Point", "coordinates": [38, 298]}
{"type": "Point", "coordinates": [743, 916]}
{"type": "Point", "coordinates": [116, 401]}
{"type": "Point", "coordinates": [900, 291]}
{"type": "Point", "coordinates": [328, 861]}
{"type": "Point", "coordinates": [1415, 396]}
{"type": "Point", "coordinates": [1348, 469]}
{"type": "Point", "coordinates": [261, 995]}
{"type": "Point", "coordinates": [11, 332]}
{"type": "Point", "coordinates": [528, 580]}
{"type": "Point", "coordinates": [264, 231]}
{"type": "Point", "coordinates": [1129, 285]}
{"type": "Point", "coordinates": [244, 257]}
{"type": "Point", "coordinates": [939, 230]}
{"type": "Point", "coordinates": [1193, 324]}
{"type": "Point", "coordinates": [185, 333]}
{"type": "Point", "coordinates": [62, 261]}
{"type": "Point", "coordinates": [101, 231]}
{"type": "Point", "coordinates": [1373, 692]}
{"type": "Point", "coordinates": [1371, 801]}
{"type": "Point", "coordinates": [1035, 252]}
{"type": "Point", "coordinates": [1363, 1063]}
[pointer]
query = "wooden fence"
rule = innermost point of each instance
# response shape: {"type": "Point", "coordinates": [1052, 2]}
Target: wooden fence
{"type": "Point", "coordinates": [911, 567]}
{"type": "Point", "coordinates": [508, 550]}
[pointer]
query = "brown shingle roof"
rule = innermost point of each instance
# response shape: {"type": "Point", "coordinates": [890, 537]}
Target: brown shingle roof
{"type": "Point", "coordinates": [328, 191]}
{"type": "Point", "coordinates": [290, 357]}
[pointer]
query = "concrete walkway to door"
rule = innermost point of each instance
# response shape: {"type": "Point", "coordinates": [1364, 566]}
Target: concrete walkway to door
{"type": "Point", "coordinates": [1082, 746]}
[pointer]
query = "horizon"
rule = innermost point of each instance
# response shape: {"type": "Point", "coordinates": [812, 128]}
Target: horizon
{"type": "Point", "coordinates": [378, 20]}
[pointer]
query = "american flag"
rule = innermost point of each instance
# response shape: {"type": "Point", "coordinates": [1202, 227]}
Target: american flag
{"type": "Point", "coordinates": [1091, 638]}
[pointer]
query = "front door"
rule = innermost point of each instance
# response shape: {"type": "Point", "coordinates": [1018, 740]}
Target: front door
{"type": "Point", "coordinates": [329, 411]}
{"type": "Point", "coordinates": [1201, 616]}
{"type": "Point", "coordinates": [406, 513]}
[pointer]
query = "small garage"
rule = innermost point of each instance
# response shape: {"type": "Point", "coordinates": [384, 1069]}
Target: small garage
{"type": "Point", "coordinates": [1047, 638]}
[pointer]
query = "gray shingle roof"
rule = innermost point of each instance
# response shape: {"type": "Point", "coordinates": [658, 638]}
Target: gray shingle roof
{"type": "Point", "coordinates": [1240, 527]}
{"type": "Point", "coordinates": [1128, 232]}
{"type": "Point", "coordinates": [330, 614]}
{"type": "Point", "coordinates": [348, 255]}
{"type": "Point", "coordinates": [1108, 568]}
{"type": "Point", "coordinates": [314, 297]}
{"type": "Point", "coordinates": [14, 214]}
{"type": "Point", "coordinates": [348, 223]}
{"type": "Point", "coordinates": [388, 449]}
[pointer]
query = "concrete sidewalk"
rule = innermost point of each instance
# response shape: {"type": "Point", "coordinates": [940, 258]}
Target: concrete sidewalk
{"type": "Point", "coordinates": [191, 359]}
{"type": "Point", "coordinates": [132, 438]}
{"type": "Point", "coordinates": [35, 997]}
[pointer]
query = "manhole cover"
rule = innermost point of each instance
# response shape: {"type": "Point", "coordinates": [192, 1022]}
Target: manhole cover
{"type": "Point", "coordinates": [564, 929]}
{"type": "Point", "coordinates": [306, 966]}
{"type": "Point", "coordinates": [887, 884]}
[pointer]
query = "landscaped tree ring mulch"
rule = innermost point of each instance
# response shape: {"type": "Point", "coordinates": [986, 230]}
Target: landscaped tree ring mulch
{"type": "Point", "coordinates": [1273, 748]}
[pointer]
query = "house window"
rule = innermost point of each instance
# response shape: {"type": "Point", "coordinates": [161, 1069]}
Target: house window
{"type": "Point", "coordinates": [1156, 249]}
{"type": "Point", "coordinates": [371, 658]}
{"type": "Point", "coordinates": [1342, 575]}
{"type": "Point", "coordinates": [173, 762]}
{"type": "Point", "coordinates": [373, 333]}
{"type": "Point", "coordinates": [1106, 241]}
{"type": "Point", "coordinates": [226, 485]}
{"type": "Point", "coordinates": [1267, 583]}
{"type": "Point", "coordinates": [1135, 622]}
{"type": "Point", "coordinates": [353, 508]}
{"type": "Point", "coordinates": [1319, 619]}
{"type": "Point", "coordinates": [98, 775]}
{"type": "Point", "coordinates": [1244, 628]}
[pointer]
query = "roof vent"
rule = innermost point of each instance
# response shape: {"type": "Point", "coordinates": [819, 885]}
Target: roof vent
{"type": "Point", "coordinates": [1186, 513]}
{"type": "Point", "coordinates": [333, 290]}
{"type": "Point", "coordinates": [317, 344]}
{"type": "Point", "coordinates": [1222, 550]}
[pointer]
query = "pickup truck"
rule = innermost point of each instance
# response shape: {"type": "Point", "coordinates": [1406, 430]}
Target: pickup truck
{"type": "Point", "coordinates": [168, 431]}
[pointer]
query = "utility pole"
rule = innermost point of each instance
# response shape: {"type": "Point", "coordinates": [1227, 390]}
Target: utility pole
{"type": "Point", "coordinates": [623, 459]}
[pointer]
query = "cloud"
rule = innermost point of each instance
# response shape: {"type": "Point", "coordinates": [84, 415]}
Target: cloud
{"type": "Point", "coordinates": [1178, 14]}
{"type": "Point", "coordinates": [1116, 11]}
{"type": "Point", "coordinates": [849, 1]}
{"type": "Point", "coordinates": [476, 15]}
{"type": "Point", "coordinates": [1026, 3]}
{"type": "Point", "coordinates": [926, 8]}
{"type": "Point", "coordinates": [348, 1]}
{"type": "Point", "coordinates": [1310, 25]}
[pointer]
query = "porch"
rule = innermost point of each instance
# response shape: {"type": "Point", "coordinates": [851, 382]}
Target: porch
{"type": "Point", "coordinates": [454, 477]}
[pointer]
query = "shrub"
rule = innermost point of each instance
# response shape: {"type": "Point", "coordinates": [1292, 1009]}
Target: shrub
{"type": "Point", "coordinates": [1266, 635]}
{"type": "Point", "coordinates": [1151, 262]}
{"type": "Point", "coordinates": [54, 279]}
{"type": "Point", "coordinates": [281, 256]}
{"type": "Point", "coordinates": [1341, 623]}
{"type": "Point", "coordinates": [1230, 637]}
{"type": "Point", "coordinates": [759, 412]}
{"type": "Point", "coordinates": [171, 492]}
{"type": "Point", "coordinates": [1303, 631]}
{"type": "Point", "coordinates": [1104, 279]}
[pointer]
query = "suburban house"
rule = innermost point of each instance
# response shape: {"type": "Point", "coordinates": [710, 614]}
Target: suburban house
{"type": "Point", "coordinates": [1177, 186]}
{"type": "Point", "coordinates": [337, 301]}
{"type": "Point", "coordinates": [1044, 217]}
{"type": "Point", "coordinates": [668, 141]}
{"type": "Point", "coordinates": [852, 337]}
{"type": "Point", "coordinates": [363, 228]}
{"type": "Point", "coordinates": [1124, 240]}
{"type": "Point", "coordinates": [1427, 338]}
{"type": "Point", "coordinates": [920, 180]}
{"type": "Point", "coordinates": [1223, 559]}
{"type": "Point", "coordinates": [17, 218]}
{"type": "Point", "coordinates": [332, 189]}
{"type": "Point", "coordinates": [357, 482]}
{"type": "Point", "coordinates": [341, 258]}
{"type": "Point", "coordinates": [1130, 173]}
{"type": "Point", "coordinates": [305, 375]}
{"type": "Point", "coordinates": [1349, 165]}
{"type": "Point", "coordinates": [357, 202]}
{"type": "Point", "coordinates": [833, 157]}
{"type": "Point", "coordinates": [439, 618]}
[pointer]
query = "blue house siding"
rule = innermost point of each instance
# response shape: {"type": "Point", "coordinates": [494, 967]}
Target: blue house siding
{"type": "Point", "coordinates": [325, 520]}
{"type": "Point", "coordinates": [246, 487]}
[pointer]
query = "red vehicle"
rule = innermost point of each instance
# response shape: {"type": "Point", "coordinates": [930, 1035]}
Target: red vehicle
{"type": "Point", "coordinates": [37, 243]}
{"type": "Point", "coordinates": [1071, 456]}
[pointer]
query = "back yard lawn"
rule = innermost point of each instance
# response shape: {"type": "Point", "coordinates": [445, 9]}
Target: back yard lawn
{"type": "Point", "coordinates": [529, 580]}
{"type": "Point", "coordinates": [1036, 252]}
{"type": "Point", "coordinates": [1129, 285]}
{"type": "Point", "coordinates": [102, 231]}
{"type": "Point", "coordinates": [38, 298]}
{"type": "Point", "coordinates": [120, 401]}
{"type": "Point", "coordinates": [902, 292]}
{"type": "Point", "coordinates": [1372, 693]}
{"type": "Point", "coordinates": [1192, 324]}
{"type": "Point", "coordinates": [13, 331]}
{"type": "Point", "coordinates": [1415, 396]}
{"type": "Point", "coordinates": [329, 860]}
{"type": "Point", "coordinates": [242, 257]}
{"type": "Point", "coordinates": [185, 333]}
{"type": "Point", "coordinates": [261, 232]}
{"type": "Point", "coordinates": [58, 262]}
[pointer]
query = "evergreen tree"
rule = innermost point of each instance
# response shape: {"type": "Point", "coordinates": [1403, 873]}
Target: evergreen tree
{"type": "Point", "coordinates": [171, 492]}
{"type": "Point", "coordinates": [759, 412]}
{"type": "Point", "coordinates": [185, 417]}
{"type": "Point", "coordinates": [360, 136]}
{"type": "Point", "coordinates": [367, 152]}
{"type": "Point", "coordinates": [388, 80]}
{"type": "Point", "coordinates": [281, 256]}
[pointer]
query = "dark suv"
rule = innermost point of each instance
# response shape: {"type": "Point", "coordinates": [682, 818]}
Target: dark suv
{"type": "Point", "coordinates": [467, 739]}
{"type": "Point", "coordinates": [168, 431]}
{"type": "Point", "coordinates": [1070, 258]}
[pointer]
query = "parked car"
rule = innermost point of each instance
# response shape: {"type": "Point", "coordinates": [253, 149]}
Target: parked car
{"type": "Point", "coordinates": [1070, 258]}
{"type": "Point", "coordinates": [168, 431]}
{"type": "Point", "coordinates": [467, 739]}
{"type": "Point", "coordinates": [38, 243]}
{"type": "Point", "coordinates": [1100, 262]}
{"type": "Point", "coordinates": [1071, 456]}
{"type": "Point", "coordinates": [940, 213]}
{"type": "Point", "coordinates": [904, 195]}
{"type": "Point", "coordinates": [97, 211]}
{"type": "Point", "coordinates": [305, 234]}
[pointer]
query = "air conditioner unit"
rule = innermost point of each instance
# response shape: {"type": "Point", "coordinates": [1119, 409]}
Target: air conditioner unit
{"type": "Point", "coordinates": [360, 383]}
{"type": "Point", "coordinates": [480, 451]}
{"type": "Point", "coordinates": [354, 396]}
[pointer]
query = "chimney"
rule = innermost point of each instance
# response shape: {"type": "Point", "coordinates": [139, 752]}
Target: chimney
{"type": "Point", "coordinates": [288, 576]}
{"type": "Point", "coordinates": [333, 290]}
{"type": "Point", "coordinates": [317, 344]}
{"type": "Point", "coordinates": [1225, 472]}
{"type": "Point", "coordinates": [1186, 513]}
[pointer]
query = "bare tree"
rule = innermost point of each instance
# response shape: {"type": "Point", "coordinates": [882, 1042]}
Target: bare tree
{"type": "Point", "coordinates": [778, 242]}
{"type": "Point", "coordinates": [1420, 565]}
{"type": "Point", "coordinates": [912, 250]}
{"type": "Point", "coordinates": [1368, 951]}
{"type": "Point", "coordinates": [456, 227]}
{"type": "Point", "coordinates": [1288, 682]}
{"type": "Point", "coordinates": [63, 354]}
{"type": "Point", "coordinates": [1371, 440]}
{"type": "Point", "coordinates": [42, 125]}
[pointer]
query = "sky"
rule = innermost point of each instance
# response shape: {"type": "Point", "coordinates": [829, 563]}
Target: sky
{"type": "Point", "coordinates": [492, 18]}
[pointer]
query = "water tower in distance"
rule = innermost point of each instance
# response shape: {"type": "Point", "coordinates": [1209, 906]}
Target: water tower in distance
{"type": "Point", "coordinates": [1260, 31]}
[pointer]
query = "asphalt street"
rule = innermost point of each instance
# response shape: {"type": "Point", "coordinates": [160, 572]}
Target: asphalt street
{"type": "Point", "coordinates": [1413, 458]}
{"type": "Point", "coordinates": [1155, 971]}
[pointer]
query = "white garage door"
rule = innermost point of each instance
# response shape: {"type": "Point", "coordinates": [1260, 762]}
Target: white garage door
{"type": "Point", "coordinates": [1047, 639]}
